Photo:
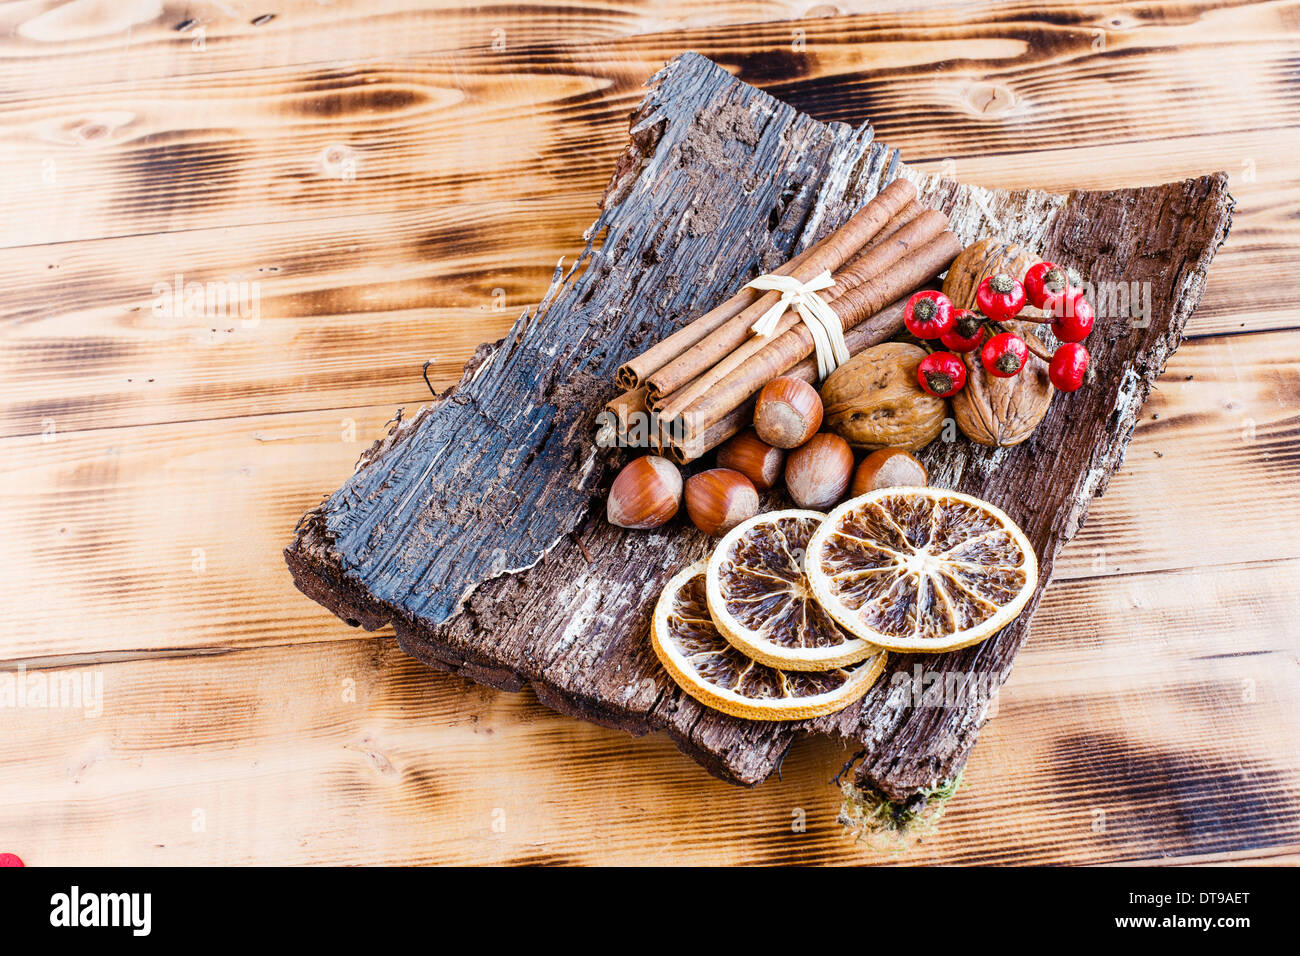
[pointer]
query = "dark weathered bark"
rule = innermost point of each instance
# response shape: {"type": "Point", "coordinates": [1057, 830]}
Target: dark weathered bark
{"type": "Point", "coordinates": [476, 527]}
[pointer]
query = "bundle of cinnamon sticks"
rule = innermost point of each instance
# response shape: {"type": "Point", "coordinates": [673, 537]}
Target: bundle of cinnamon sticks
{"type": "Point", "coordinates": [698, 386]}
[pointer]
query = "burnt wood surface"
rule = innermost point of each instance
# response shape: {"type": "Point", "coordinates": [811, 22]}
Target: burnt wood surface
{"type": "Point", "coordinates": [477, 526]}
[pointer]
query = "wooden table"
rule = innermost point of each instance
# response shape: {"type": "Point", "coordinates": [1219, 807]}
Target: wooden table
{"type": "Point", "coordinates": [394, 181]}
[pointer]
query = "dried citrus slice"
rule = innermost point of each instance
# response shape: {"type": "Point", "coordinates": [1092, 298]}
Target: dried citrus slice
{"type": "Point", "coordinates": [921, 569]}
{"type": "Point", "coordinates": [719, 676]}
{"type": "Point", "coordinates": [761, 601]}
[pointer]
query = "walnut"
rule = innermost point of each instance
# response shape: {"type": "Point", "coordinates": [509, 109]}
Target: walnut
{"type": "Point", "coordinates": [874, 401]}
{"type": "Point", "coordinates": [991, 410]}
{"type": "Point", "coordinates": [980, 259]}
{"type": "Point", "coordinates": [1003, 411]}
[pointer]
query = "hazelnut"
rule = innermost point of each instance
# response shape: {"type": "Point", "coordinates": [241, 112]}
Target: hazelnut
{"type": "Point", "coordinates": [645, 494]}
{"type": "Point", "coordinates": [788, 412]}
{"type": "Point", "coordinates": [817, 473]}
{"type": "Point", "coordinates": [888, 468]}
{"type": "Point", "coordinates": [719, 499]}
{"type": "Point", "coordinates": [752, 457]}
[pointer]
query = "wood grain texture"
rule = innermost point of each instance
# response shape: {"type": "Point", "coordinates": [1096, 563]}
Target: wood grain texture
{"type": "Point", "coordinates": [583, 647]}
{"type": "Point", "coordinates": [89, 42]}
{"type": "Point", "coordinates": [353, 752]}
{"type": "Point", "coordinates": [284, 143]}
{"type": "Point", "coordinates": [187, 521]}
{"type": "Point", "coordinates": [79, 43]}
{"type": "Point", "coordinates": [81, 343]}
{"type": "Point", "coordinates": [334, 313]}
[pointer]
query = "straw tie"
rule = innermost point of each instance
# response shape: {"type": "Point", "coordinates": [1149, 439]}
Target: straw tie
{"type": "Point", "coordinates": [825, 326]}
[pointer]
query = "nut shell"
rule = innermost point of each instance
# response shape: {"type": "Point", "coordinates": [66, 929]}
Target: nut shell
{"type": "Point", "coordinates": [888, 468]}
{"type": "Point", "coordinates": [645, 494]}
{"type": "Point", "coordinates": [981, 259]}
{"type": "Point", "coordinates": [788, 412]}
{"type": "Point", "coordinates": [874, 400]}
{"type": "Point", "coordinates": [719, 499]}
{"type": "Point", "coordinates": [754, 458]}
{"type": "Point", "coordinates": [1003, 411]}
{"type": "Point", "coordinates": [817, 473]}
{"type": "Point", "coordinates": [992, 410]}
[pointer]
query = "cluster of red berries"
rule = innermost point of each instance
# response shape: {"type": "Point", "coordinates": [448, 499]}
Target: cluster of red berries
{"type": "Point", "coordinates": [930, 315]}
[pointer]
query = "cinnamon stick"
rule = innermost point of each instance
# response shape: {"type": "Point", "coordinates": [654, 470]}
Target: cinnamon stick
{"type": "Point", "coordinates": [866, 265]}
{"type": "Point", "coordinates": [901, 218]}
{"type": "Point", "coordinates": [632, 374]}
{"type": "Point", "coordinates": [620, 410]}
{"type": "Point", "coordinates": [837, 248]}
{"type": "Point", "coordinates": [628, 423]}
{"type": "Point", "coordinates": [693, 446]}
{"type": "Point", "coordinates": [928, 261]}
{"type": "Point", "coordinates": [870, 263]}
{"type": "Point", "coordinates": [786, 350]}
{"type": "Point", "coordinates": [860, 337]}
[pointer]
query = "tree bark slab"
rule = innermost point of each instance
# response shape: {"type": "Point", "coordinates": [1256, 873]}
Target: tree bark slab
{"type": "Point", "coordinates": [477, 527]}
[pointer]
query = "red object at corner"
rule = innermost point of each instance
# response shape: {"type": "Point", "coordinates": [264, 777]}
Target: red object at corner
{"type": "Point", "coordinates": [10, 859]}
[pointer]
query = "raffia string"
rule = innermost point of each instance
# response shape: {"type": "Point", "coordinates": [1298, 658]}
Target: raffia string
{"type": "Point", "coordinates": [826, 328]}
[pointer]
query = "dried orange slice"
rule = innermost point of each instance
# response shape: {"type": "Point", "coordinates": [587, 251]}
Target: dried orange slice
{"type": "Point", "coordinates": [921, 569]}
{"type": "Point", "coordinates": [716, 674]}
{"type": "Point", "coordinates": [761, 601]}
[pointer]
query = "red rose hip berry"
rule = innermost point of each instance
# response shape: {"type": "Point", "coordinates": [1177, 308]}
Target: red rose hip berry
{"type": "Point", "coordinates": [1072, 318]}
{"type": "Point", "coordinates": [942, 374]}
{"type": "Point", "coordinates": [967, 333]}
{"type": "Point", "coordinates": [1068, 367]}
{"type": "Point", "coordinates": [1045, 280]}
{"type": "Point", "coordinates": [1000, 297]}
{"type": "Point", "coordinates": [928, 314]}
{"type": "Point", "coordinates": [1004, 355]}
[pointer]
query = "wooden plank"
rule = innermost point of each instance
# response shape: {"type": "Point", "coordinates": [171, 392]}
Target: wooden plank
{"type": "Point", "coordinates": [392, 134]}
{"type": "Point", "coordinates": [381, 547]}
{"type": "Point", "coordinates": [330, 313]}
{"type": "Point", "coordinates": [102, 500]}
{"type": "Point", "coordinates": [184, 520]}
{"type": "Point", "coordinates": [350, 307]}
{"type": "Point", "coordinates": [1109, 744]}
{"type": "Point", "coordinates": [298, 144]}
{"type": "Point", "coordinates": [1069, 78]}
{"type": "Point", "coordinates": [1228, 427]}
{"type": "Point", "coordinates": [81, 42]}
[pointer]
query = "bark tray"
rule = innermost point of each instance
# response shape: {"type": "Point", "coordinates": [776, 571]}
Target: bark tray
{"type": "Point", "coordinates": [476, 527]}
